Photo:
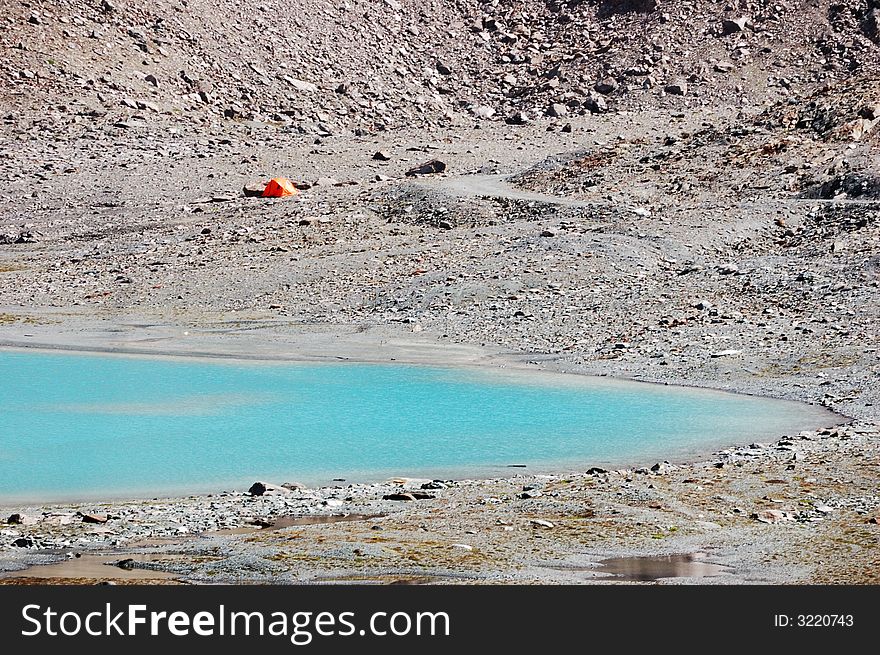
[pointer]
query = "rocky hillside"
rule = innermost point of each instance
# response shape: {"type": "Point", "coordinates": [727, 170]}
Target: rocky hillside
{"type": "Point", "coordinates": [326, 66]}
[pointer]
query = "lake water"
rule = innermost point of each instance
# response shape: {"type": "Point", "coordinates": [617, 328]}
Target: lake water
{"type": "Point", "coordinates": [76, 426]}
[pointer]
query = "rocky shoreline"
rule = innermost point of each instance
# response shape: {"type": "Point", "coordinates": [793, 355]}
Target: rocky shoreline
{"type": "Point", "coordinates": [741, 510]}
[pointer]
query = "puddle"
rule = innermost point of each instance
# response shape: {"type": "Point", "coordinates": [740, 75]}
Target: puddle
{"type": "Point", "coordinates": [655, 567]}
{"type": "Point", "coordinates": [294, 520]}
{"type": "Point", "coordinates": [96, 567]}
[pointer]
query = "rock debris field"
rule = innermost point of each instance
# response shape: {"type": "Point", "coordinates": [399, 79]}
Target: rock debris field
{"type": "Point", "coordinates": [683, 192]}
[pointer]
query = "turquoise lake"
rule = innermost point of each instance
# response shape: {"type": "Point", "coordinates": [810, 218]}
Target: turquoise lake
{"type": "Point", "coordinates": [76, 426]}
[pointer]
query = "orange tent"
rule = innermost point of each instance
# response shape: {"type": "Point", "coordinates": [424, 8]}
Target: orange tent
{"type": "Point", "coordinates": [279, 187]}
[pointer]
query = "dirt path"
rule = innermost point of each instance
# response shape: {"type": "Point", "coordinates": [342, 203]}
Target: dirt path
{"type": "Point", "coordinates": [498, 186]}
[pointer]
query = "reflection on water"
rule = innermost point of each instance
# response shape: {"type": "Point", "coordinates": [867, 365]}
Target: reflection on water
{"type": "Point", "coordinates": [98, 567]}
{"type": "Point", "coordinates": [188, 405]}
{"type": "Point", "coordinates": [655, 567]}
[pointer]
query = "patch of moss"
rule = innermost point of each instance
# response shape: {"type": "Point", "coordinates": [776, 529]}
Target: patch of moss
{"type": "Point", "coordinates": [8, 319]}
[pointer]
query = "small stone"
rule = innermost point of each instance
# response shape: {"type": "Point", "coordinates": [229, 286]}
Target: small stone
{"type": "Point", "coordinates": [443, 69]}
{"type": "Point", "coordinates": [606, 85]}
{"type": "Point", "coordinates": [381, 155]}
{"type": "Point", "coordinates": [15, 519]}
{"type": "Point", "coordinates": [596, 104]}
{"type": "Point", "coordinates": [94, 518]}
{"type": "Point", "coordinates": [541, 523]}
{"type": "Point", "coordinates": [677, 88]}
{"type": "Point", "coordinates": [326, 181]}
{"type": "Point", "coordinates": [518, 118]}
{"type": "Point", "coordinates": [596, 470]}
{"type": "Point", "coordinates": [24, 542]}
{"type": "Point", "coordinates": [399, 496]}
{"type": "Point", "coordinates": [771, 516]}
{"type": "Point", "coordinates": [548, 233]}
{"type": "Point", "coordinates": [732, 26]}
{"type": "Point", "coordinates": [262, 523]}
{"type": "Point", "coordinates": [254, 189]}
{"type": "Point", "coordinates": [300, 85]}
{"type": "Point", "coordinates": [445, 225]}
{"type": "Point", "coordinates": [483, 111]}
{"type": "Point", "coordinates": [427, 168]}
{"type": "Point", "coordinates": [266, 489]}
{"type": "Point", "coordinates": [725, 353]}
{"type": "Point", "coordinates": [557, 110]}
{"type": "Point", "coordinates": [566, 128]}
{"type": "Point", "coordinates": [662, 468]}
{"type": "Point", "coordinates": [532, 493]}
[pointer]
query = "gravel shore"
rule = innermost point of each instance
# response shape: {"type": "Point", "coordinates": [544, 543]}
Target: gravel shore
{"type": "Point", "coordinates": [803, 509]}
